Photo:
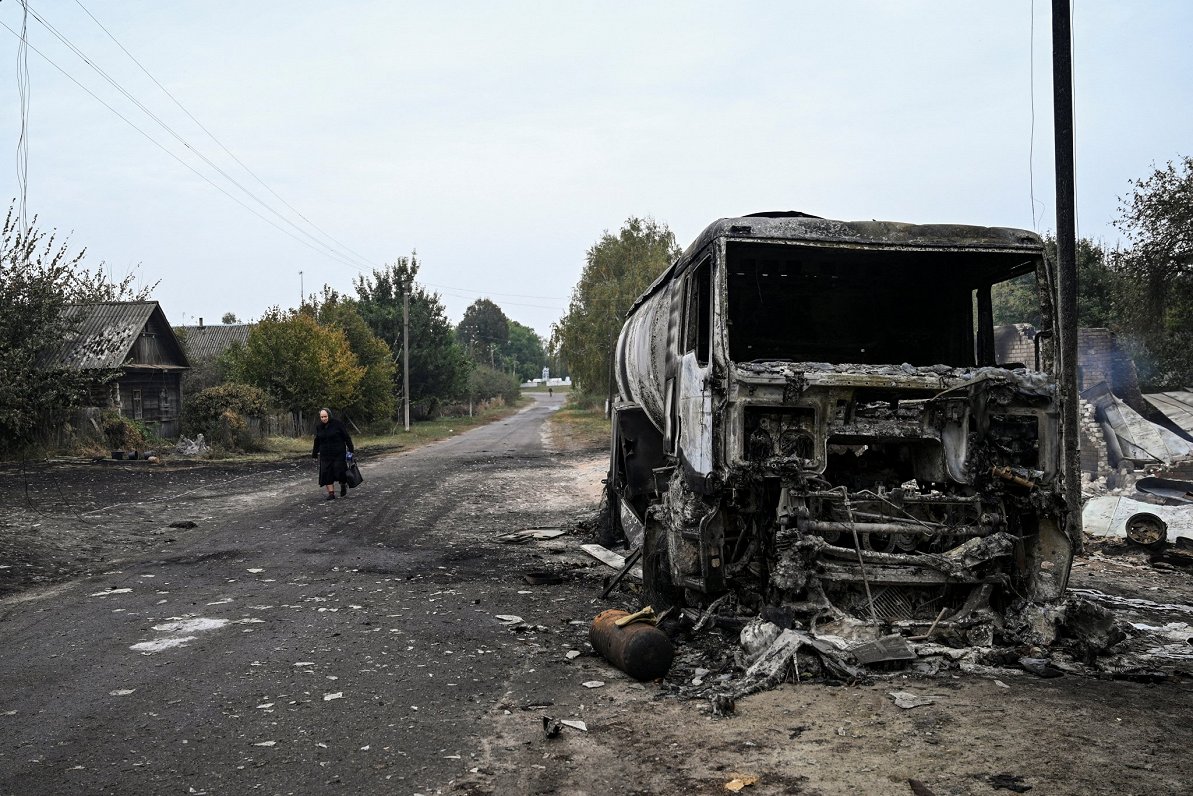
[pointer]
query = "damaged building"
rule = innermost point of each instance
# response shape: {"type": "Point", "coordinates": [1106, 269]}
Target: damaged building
{"type": "Point", "coordinates": [811, 415]}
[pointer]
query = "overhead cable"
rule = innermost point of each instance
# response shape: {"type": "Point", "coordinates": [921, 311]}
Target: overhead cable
{"type": "Point", "coordinates": [331, 251]}
{"type": "Point", "coordinates": [163, 148]}
{"type": "Point", "coordinates": [213, 137]}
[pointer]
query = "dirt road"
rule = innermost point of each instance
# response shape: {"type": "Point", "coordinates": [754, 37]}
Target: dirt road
{"type": "Point", "coordinates": [286, 644]}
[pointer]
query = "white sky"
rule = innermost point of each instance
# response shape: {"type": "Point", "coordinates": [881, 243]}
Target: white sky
{"type": "Point", "coordinates": [499, 139]}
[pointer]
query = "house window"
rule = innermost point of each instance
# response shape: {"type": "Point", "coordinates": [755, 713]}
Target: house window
{"type": "Point", "coordinates": [164, 402]}
{"type": "Point", "coordinates": [137, 405]}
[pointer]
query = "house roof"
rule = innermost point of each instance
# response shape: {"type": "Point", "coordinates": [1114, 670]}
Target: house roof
{"type": "Point", "coordinates": [208, 342]}
{"type": "Point", "coordinates": [105, 333]}
{"type": "Point", "coordinates": [1176, 405]}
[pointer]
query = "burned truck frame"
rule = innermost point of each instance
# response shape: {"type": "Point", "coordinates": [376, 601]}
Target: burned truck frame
{"type": "Point", "coordinates": [808, 413]}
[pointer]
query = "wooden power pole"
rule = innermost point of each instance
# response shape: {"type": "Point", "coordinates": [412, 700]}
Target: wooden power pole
{"type": "Point", "coordinates": [1066, 258]}
{"type": "Point", "coordinates": [406, 354]}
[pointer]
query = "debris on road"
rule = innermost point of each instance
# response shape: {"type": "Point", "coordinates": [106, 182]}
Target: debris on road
{"type": "Point", "coordinates": [109, 592]}
{"type": "Point", "coordinates": [740, 781]}
{"type": "Point", "coordinates": [610, 558]}
{"type": "Point", "coordinates": [638, 648]}
{"type": "Point", "coordinates": [575, 724]}
{"type": "Point", "coordinates": [539, 577]}
{"type": "Point", "coordinates": [593, 683]}
{"type": "Point", "coordinates": [530, 534]}
{"type": "Point", "coordinates": [1009, 782]}
{"type": "Point", "coordinates": [908, 700]}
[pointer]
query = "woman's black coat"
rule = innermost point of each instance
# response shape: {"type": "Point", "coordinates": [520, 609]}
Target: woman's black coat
{"type": "Point", "coordinates": [331, 443]}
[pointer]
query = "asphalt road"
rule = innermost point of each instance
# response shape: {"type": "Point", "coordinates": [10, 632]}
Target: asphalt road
{"type": "Point", "coordinates": [295, 645]}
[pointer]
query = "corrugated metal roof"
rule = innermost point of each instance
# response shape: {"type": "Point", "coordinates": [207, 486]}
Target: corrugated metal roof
{"type": "Point", "coordinates": [1177, 405]}
{"type": "Point", "coordinates": [118, 335]}
{"type": "Point", "coordinates": [104, 333]}
{"type": "Point", "coordinates": [208, 342]}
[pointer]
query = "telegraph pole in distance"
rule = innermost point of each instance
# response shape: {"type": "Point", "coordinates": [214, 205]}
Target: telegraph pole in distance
{"type": "Point", "coordinates": [406, 353]}
{"type": "Point", "coordinates": [302, 290]}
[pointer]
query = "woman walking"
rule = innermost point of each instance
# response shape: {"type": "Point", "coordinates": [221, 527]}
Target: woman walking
{"type": "Point", "coordinates": [333, 446]}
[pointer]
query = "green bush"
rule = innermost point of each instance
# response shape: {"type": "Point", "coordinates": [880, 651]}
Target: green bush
{"type": "Point", "coordinates": [122, 433]}
{"type": "Point", "coordinates": [224, 414]}
{"type": "Point", "coordinates": [234, 433]}
{"type": "Point", "coordinates": [486, 383]}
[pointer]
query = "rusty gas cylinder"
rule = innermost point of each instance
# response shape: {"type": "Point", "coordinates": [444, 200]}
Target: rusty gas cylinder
{"type": "Point", "coordinates": [640, 649]}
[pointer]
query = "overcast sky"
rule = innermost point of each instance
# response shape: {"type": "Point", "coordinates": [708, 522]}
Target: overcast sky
{"type": "Point", "coordinates": [499, 139]}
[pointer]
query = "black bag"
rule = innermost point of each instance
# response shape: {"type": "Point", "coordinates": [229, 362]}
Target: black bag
{"type": "Point", "coordinates": [352, 475]}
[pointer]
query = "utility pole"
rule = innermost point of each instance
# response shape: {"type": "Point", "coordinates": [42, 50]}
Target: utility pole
{"type": "Point", "coordinates": [406, 354]}
{"type": "Point", "coordinates": [1066, 257]}
{"type": "Point", "coordinates": [302, 291]}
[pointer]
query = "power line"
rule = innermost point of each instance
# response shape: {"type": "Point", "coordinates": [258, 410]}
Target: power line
{"type": "Point", "coordinates": [163, 148]}
{"type": "Point", "coordinates": [345, 259]}
{"type": "Point", "coordinates": [213, 137]}
{"type": "Point", "coordinates": [494, 293]}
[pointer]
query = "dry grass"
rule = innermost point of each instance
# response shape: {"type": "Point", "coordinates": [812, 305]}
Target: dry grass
{"type": "Point", "coordinates": [421, 433]}
{"type": "Point", "coordinates": [580, 429]}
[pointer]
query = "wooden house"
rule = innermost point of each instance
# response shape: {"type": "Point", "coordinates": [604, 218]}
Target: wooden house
{"type": "Point", "coordinates": [135, 339]}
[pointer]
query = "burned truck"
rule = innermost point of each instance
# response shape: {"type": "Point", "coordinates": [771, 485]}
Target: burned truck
{"type": "Point", "coordinates": [810, 414]}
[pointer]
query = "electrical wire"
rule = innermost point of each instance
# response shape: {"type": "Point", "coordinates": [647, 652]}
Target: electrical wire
{"type": "Point", "coordinates": [346, 259]}
{"type": "Point", "coordinates": [163, 148]}
{"type": "Point", "coordinates": [213, 137]}
{"type": "Point", "coordinates": [1031, 141]}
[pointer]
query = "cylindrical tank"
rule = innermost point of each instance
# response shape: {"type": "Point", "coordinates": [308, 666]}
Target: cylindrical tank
{"type": "Point", "coordinates": [640, 365]}
{"type": "Point", "coordinates": [640, 650]}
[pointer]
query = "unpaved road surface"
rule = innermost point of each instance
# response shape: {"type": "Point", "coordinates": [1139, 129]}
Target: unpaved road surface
{"type": "Point", "coordinates": [287, 644]}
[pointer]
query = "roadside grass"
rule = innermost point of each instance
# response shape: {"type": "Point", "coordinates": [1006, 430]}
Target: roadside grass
{"type": "Point", "coordinates": [421, 433]}
{"type": "Point", "coordinates": [577, 428]}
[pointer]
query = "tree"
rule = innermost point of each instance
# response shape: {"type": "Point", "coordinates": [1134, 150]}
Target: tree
{"type": "Point", "coordinates": [300, 364]}
{"type": "Point", "coordinates": [38, 278]}
{"type": "Point", "coordinates": [1157, 220]}
{"type": "Point", "coordinates": [524, 352]}
{"type": "Point", "coordinates": [438, 365]}
{"type": "Point", "coordinates": [617, 270]}
{"type": "Point", "coordinates": [229, 317]}
{"type": "Point", "coordinates": [483, 330]}
{"type": "Point", "coordinates": [1099, 297]}
{"type": "Point", "coordinates": [375, 398]}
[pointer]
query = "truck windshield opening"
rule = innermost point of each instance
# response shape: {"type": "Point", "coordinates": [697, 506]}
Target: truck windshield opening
{"type": "Point", "coordinates": [850, 305]}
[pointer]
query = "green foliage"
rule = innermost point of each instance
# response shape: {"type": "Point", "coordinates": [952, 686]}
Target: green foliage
{"type": "Point", "coordinates": [1099, 298]}
{"type": "Point", "coordinates": [122, 433]}
{"type": "Point", "coordinates": [1157, 219]}
{"type": "Point", "coordinates": [486, 383]}
{"type": "Point", "coordinates": [375, 398]}
{"type": "Point", "coordinates": [524, 353]}
{"type": "Point", "coordinates": [220, 414]}
{"type": "Point", "coordinates": [204, 408]}
{"type": "Point", "coordinates": [1016, 301]}
{"type": "Point", "coordinates": [299, 363]}
{"type": "Point", "coordinates": [38, 278]}
{"type": "Point", "coordinates": [618, 269]}
{"type": "Point", "coordinates": [483, 330]}
{"type": "Point", "coordinates": [491, 338]}
{"type": "Point", "coordinates": [229, 317]}
{"type": "Point", "coordinates": [438, 364]}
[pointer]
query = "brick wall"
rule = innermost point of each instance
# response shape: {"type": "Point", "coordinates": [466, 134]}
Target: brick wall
{"type": "Point", "coordinates": [1099, 357]}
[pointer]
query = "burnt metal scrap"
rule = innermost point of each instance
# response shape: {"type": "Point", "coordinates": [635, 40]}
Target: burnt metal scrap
{"type": "Point", "coordinates": [809, 417]}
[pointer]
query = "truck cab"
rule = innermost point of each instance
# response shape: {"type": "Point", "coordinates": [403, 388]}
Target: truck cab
{"type": "Point", "coordinates": [809, 413]}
